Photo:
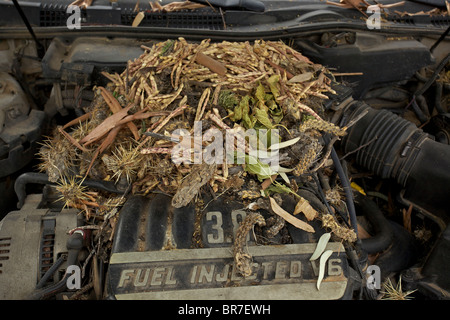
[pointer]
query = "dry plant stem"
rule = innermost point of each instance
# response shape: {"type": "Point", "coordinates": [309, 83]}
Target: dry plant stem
{"type": "Point", "coordinates": [174, 113]}
{"type": "Point", "coordinates": [210, 63]}
{"type": "Point", "coordinates": [218, 121]}
{"type": "Point", "coordinates": [105, 144]}
{"type": "Point", "coordinates": [274, 65]}
{"type": "Point", "coordinates": [72, 140]}
{"type": "Point", "coordinates": [326, 155]}
{"type": "Point", "coordinates": [242, 259]}
{"type": "Point", "coordinates": [156, 150]}
{"type": "Point", "coordinates": [266, 183]}
{"type": "Point", "coordinates": [204, 99]}
{"type": "Point", "coordinates": [307, 109]}
{"type": "Point", "coordinates": [82, 118]}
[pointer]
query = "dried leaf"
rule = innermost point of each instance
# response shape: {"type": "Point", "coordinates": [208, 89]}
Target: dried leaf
{"type": "Point", "coordinates": [323, 260]}
{"type": "Point", "coordinates": [115, 107]}
{"type": "Point", "coordinates": [321, 245]}
{"type": "Point", "coordinates": [83, 4]}
{"type": "Point", "coordinates": [304, 206]}
{"type": "Point", "coordinates": [81, 118]}
{"type": "Point", "coordinates": [290, 218]}
{"type": "Point", "coordinates": [302, 77]}
{"type": "Point", "coordinates": [108, 124]}
{"type": "Point", "coordinates": [71, 139]}
{"type": "Point", "coordinates": [105, 144]}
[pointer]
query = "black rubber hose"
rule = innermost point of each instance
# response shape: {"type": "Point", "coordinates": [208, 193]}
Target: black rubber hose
{"type": "Point", "coordinates": [393, 147]}
{"type": "Point", "coordinates": [402, 253]}
{"type": "Point", "coordinates": [41, 178]}
{"type": "Point", "coordinates": [438, 97]}
{"type": "Point", "coordinates": [382, 228]}
{"type": "Point", "coordinates": [434, 76]}
{"type": "Point", "coordinates": [420, 108]}
{"type": "Point", "coordinates": [50, 272]}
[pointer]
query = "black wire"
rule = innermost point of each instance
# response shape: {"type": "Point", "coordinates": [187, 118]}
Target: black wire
{"type": "Point", "coordinates": [442, 37]}
{"type": "Point", "coordinates": [321, 193]}
{"type": "Point", "coordinates": [347, 189]}
{"type": "Point", "coordinates": [50, 271]}
{"type": "Point", "coordinates": [433, 77]}
{"type": "Point", "coordinates": [40, 47]}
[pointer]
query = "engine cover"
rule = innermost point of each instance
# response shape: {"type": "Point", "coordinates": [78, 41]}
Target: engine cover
{"type": "Point", "coordinates": [155, 255]}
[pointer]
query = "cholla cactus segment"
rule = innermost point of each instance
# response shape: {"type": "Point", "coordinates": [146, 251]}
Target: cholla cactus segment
{"type": "Point", "coordinates": [344, 233]}
{"type": "Point", "coordinates": [322, 125]}
{"type": "Point", "coordinates": [305, 161]}
{"type": "Point", "coordinates": [124, 161]}
{"type": "Point", "coordinates": [73, 193]}
{"type": "Point", "coordinates": [242, 259]}
{"type": "Point", "coordinates": [56, 156]}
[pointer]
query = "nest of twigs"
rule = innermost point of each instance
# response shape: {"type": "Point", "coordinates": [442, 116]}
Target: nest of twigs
{"type": "Point", "coordinates": [126, 134]}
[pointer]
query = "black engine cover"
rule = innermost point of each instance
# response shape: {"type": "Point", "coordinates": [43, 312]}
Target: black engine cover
{"type": "Point", "coordinates": [161, 252]}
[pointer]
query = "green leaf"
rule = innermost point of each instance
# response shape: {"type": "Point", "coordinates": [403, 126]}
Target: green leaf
{"type": "Point", "coordinates": [237, 114]}
{"type": "Point", "coordinates": [281, 169]}
{"type": "Point", "coordinates": [228, 99]}
{"type": "Point", "coordinates": [260, 93]}
{"type": "Point", "coordinates": [263, 117]}
{"type": "Point", "coordinates": [245, 110]}
{"type": "Point", "coordinates": [254, 166]}
{"type": "Point", "coordinates": [273, 85]}
{"type": "Point", "coordinates": [284, 144]}
{"type": "Point", "coordinates": [284, 176]}
{"type": "Point", "coordinates": [278, 188]}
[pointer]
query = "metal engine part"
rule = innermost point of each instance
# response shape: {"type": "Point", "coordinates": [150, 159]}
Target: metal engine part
{"type": "Point", "coordinates": [155, 256]}
{"type": "Point", "coordinates": [20, 128]}
{"type": "Point", "coordinates": [31, 240]}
